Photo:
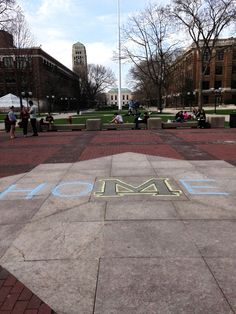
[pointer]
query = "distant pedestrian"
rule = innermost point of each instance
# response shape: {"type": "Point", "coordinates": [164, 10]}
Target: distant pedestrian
{"type": "Point", "coordinates": [24, 114]}
{"type": "Point", "coordinates": [131, 107]}
{"type": "Point", "coordinates": [33, 117]}
{"type": "Point", "coordinates": [12, 122]}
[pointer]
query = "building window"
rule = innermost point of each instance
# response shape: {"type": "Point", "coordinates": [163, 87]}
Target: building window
{"type": "Point", "coordinates": [233, 84]}
{"type": "Point", "coordinates": [111, 97]}
{"type": "Point", "coordinates": [127, 97]}
{"type": "Point", "coordinates": [205, 85]}
{"type": "Point", "coordinates": [219, 70]}
{"type": "Point", "coordinates": [123, 97]}
{"type": "Point", "coordinates": [115, 97]}
{"type": "Point", "coordinates": [234, 54]}
{"type": "Point", "coordinates": [218, 84]}
{"type": "Point", "coordinates": [8, 62]}
{"type": "Point", "coordinates": [10, 79]}
{"type": "Point", "coordinates": [220, 55]}
{"type": "Point", "coordinates": [206, 56]}
{"type": "Point", "coordinates": [234, 69]}
{"type": "Point", "coordinates": [207, 71]}
{"type": "Point", "coordinates": [21, 62]}
{"type": "Point", "coordinates": [205, 99]}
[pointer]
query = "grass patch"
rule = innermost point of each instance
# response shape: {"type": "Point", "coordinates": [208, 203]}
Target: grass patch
{"type": "Point", "coordinates": [221, 111]}
{"type": "Point", "coordinates": [107, 117]}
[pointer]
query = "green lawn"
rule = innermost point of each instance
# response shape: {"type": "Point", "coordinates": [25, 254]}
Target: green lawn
{"type": "Point", "coordinates": [107, 117]}
{"type": "Point", "coordinates": [221, 111]}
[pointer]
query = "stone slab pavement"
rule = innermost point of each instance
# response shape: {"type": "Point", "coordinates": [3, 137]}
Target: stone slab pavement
{"type": "Point", "coordinates": [119, 222]}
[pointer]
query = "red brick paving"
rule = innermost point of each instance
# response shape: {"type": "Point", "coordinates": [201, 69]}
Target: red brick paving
{"type": "Point", "coordinates": [158, 150]}
{"type": "Point", "coordinates": [206, 135]}
{"type": "Point", "coordinates": [130, 136]}
{"type": "Point", "coordinates": [15, 298]}
{"type": "Point", "coordinates": [220, 151]}
{"type": "Point", "coordinates": [23, 154]}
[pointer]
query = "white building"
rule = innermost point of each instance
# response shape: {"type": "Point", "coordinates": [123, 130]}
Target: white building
{"type": "Point", "coordinates": [112, 96]}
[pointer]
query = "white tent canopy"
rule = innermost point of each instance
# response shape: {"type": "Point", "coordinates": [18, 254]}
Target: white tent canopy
{"type": "Point", "coordinates": [11, 100]}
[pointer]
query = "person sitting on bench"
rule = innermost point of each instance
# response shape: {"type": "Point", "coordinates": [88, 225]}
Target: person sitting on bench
{"type": "Point", "coordinates": [139, 120]}
{"type": "Point", "coordinates": [117, 118]}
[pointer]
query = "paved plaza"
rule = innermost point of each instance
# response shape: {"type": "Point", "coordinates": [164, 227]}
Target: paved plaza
{"type": "Point", "coordinates": [120, 222]}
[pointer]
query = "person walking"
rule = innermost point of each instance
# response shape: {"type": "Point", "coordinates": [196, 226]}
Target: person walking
{"type": "Point", "coordinates": [12, 122]}
{"type": "Point", "coordinates": [33, 117]}
{"type": "Point", "coordinates": [24, 114]}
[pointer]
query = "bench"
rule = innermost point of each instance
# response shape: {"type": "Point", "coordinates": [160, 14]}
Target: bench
{"type": "Point", "coordinates": [93, 124]}
{"type": "Point", "coordinates": [154, 123]}
{"type": "Point", "coordinates": [68, 127]}
{"type": "Point", "coordinates": [175, 125]}
{"type": "Point", "coordinates": [216, 122]}
{"type": "Point", "coordinates": [122, 126]}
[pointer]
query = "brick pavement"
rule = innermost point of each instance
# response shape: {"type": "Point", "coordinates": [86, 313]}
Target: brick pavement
{"type": "Point", "coordinates": [23, 154]}
{"type": "Point", "coordinates": [15, 298]}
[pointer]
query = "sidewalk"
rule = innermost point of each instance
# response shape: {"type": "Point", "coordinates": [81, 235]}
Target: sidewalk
{"type": "Point", "coordinates": [126, 222]}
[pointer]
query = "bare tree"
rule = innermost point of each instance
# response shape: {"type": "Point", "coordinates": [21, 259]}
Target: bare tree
{"type": "Point", "coordinates": [99, 79]}
{"type": "Point", "coordinates": [22, 40]}
{"type": "Point", "coordinates": [7, 8]}
{"type": "Point", "coordinates": [204, 21]}
{"type": "Point", "coordinates": [19, 28]}
{"type": "Point", "coordinates": [147, 45]}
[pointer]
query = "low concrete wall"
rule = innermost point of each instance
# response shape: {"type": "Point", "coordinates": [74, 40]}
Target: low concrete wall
{"type": "Point", "coordinates": [154, 123]}
{"type": "Point", "coordinates": [122, 126]}
{"type": "Point", "coordinates": [93, 124]}
{"type": "Point", "coordinates": [217, 122]}
{"type": "Point", "coordinates": [175, 125]}
{"type": "Point", "coordinates": [67, 127]}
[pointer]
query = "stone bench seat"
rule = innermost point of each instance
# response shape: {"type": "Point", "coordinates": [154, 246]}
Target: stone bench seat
{"type": "Point", "coordinates": [122, 126]}
{"type": "Point", "coordinates": [175, 125]}
{"type": "Point", "coordinates": [216, 121]}
{"type": "Point", "coordinates": [68, 127]}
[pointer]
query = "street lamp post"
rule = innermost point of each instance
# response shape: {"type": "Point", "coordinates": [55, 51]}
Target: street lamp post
{"type": "Point", "coordinates": [26, 95]}
{"type": "Point", "coordinates": [191, 96]}
{"type": "Point", "coordinates": [218, 96]}
{"type": "Point", "coordinates": [50, 102]}
{"type": "Point", "coordinates": [119, 57]}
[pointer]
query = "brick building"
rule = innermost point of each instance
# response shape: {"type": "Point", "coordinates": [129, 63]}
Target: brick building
{"type": "Point", "coordinates": [32, 69]}
{"type": "Point", "coordinates": [219, 82]}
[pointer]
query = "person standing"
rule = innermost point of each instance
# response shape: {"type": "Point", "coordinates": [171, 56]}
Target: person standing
{"type": "Point", "coordinates": [33, 117]}
{"type": "Point", "coordinates": [24, 114]}
{"type": "Point", "coordinates": [12, 122]}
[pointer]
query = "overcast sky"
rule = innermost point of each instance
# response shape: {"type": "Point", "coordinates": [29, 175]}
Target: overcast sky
{"type": "Point", "coordinates": [58, 24]}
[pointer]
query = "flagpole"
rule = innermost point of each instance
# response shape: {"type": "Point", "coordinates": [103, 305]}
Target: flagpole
{"type": "Point", "coordinates": [119, 58]}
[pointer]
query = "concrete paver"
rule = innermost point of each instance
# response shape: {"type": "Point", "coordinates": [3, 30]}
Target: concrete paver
{"type": "Point", "coordinates": [126, 233]}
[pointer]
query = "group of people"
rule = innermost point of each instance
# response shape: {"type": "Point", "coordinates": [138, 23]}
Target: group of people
{"type": "Point", "coordinates": [133, 107]}
{"type": "Point", "coordinates": [197, 114]}
{"type": "Point", "coordinates": [182, 116]}
{"type": "Point", "coordinates": [117, 118]}
{"type": "Point", "coordinates": [25, 115]}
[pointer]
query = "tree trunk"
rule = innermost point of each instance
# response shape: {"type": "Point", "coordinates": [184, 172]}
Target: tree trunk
{"type": "Point", "coordinates": [200, 92]}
